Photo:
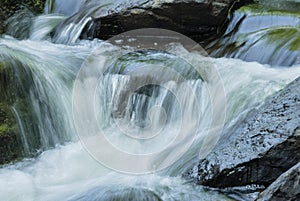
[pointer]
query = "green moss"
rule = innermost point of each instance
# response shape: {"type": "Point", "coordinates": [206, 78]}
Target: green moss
{"type": "Point", "coordinates": [295, 44]}
{"type": "Point", "coordinates": [288, 36]}
{"type": "Point", "coordinates": [261, 10]}
{"type": "Point", "coordinates": [4, 129]}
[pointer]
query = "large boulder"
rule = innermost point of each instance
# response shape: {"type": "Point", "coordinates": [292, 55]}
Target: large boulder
{"type": "Point", "coordinates": [199, 19]}
{"type": "Point", "coordinates": [286, 187]}
{"type": "Point", "coordinates": [259, 148]}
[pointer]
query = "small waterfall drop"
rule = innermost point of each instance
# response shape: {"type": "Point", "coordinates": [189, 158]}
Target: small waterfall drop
{"type": "Point", "coordinates": [271, 27]}
{"type": "Point", "coordinates": [61, 173]}
{"type": "Point", "coordinates": [65, 168]}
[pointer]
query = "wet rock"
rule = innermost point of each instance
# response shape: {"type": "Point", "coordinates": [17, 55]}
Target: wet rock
{"type": "Point", "coordinates": [259, 148]}
{"type": "Point", "coordinates": [9, 145]}
{"type": "Point", "coordinates": [286, 187]}
{"type": "Point", "coordinates": [199, 19]}
{"type": "Point", "coordinates": [9, 8]}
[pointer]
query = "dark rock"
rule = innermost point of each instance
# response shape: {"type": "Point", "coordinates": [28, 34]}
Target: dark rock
{"type": "Point", "coordinates": [9, 141]}
{"type": "Point", "coordinates": [198, 19]}
{"type": "Point", "coordinates": [10, 7]}
{"type": "Point", "coordinates": [286, 187]}
{"type": "Point", "coordinates": [258, 149]}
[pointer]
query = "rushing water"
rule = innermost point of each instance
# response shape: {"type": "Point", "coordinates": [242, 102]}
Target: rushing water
{"type": "Point", "coordinates": [65, 170]}
{"type": "Point", "coordinates": [272, 26]}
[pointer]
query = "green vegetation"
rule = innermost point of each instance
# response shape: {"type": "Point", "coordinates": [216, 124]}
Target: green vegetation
{"type": "Point", "coordinates": [4, 129]}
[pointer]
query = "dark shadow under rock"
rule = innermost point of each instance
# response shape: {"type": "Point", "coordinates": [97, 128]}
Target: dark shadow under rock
{"type": "Point", "coordinates": [286, 187]}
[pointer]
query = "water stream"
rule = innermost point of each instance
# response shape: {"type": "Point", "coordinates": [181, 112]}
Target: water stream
{"type": "Point", "coordinates": [65, 169]}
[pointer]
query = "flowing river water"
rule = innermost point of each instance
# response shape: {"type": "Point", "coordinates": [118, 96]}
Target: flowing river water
{"type": "Point", "coordinates": [66, 168]}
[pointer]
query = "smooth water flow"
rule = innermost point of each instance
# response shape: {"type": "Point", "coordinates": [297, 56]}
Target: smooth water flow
{"type": "Point", "coordinates": [272, 26]}
{"type": "Point", "coordinates": [127, 110]}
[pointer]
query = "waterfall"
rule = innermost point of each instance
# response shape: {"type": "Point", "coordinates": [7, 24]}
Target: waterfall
{"type": "Point", "coordinates": [49, 97]}
{"type": "Point", "coordinates": [61, 173]}
{"type": "Point", "coordinates": [140, 106]}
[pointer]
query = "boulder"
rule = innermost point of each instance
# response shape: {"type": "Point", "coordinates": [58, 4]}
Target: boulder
{"type": "Point", "coordinates": [259, 148]}
{"type": "Point", "coordinates": [198, 19]}
{"type": "Point", "coordinates": [286, 187]}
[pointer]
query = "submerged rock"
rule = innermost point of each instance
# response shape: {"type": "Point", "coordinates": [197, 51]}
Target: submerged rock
{"type": "Point", "coordinates": [259, 148]}
{"type": "Point", "coordinates": [286, 187]}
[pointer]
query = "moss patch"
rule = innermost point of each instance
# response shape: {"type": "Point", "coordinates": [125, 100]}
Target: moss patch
{"type": "Point", "coordinates": [288, 36]}
{"type": "Point", "coordinates": [260, 9]}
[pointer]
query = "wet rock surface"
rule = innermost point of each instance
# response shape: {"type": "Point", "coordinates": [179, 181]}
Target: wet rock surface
{"type": "Point", "coordinates": [259, 148]}
{"type": "Point", "coordinates": [199, 19]}
{"type": "Point", "coordinates": [286, 187]}
{"type": "Point", "coordinates": [9, 141]}
{"type": "Point", "coordinates": [10, 7]}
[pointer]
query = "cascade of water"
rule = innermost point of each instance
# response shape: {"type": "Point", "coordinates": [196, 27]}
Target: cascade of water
{"type": "Point", "coordinates": [272, 28]}
{"type": "Point", "coordinates": [49, 98]}
{"type": "Point", "coordinates": [52, 75]}
{"type": "Point", "coordinates": [43, 25]}
{"type": "Point", "coordinates": [48, 72]}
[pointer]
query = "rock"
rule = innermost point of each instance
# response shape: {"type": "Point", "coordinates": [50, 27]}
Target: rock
{"type": "Point", "coordinates": [9, 146]}
{"type": "Point", "coordinates": [8, 8]}
{"type": "Point", "coordinates": [259, 148]}
{"type": "Point", "coordinates": [198, 19]}
{"type": "Point", "coordinates": [286, 187]}
{"type": "Point", "coordinates": [9, 141]}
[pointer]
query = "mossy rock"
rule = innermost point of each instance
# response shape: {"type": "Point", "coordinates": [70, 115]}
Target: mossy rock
{"type": "Point", "coordinates": [9, 143]}
{"type": "Point", "coordinates": [9, 138]}
{"type": "Point", "coordinates": [15, 103]}
{"type": "Point", "coordinates": [10, 7]}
